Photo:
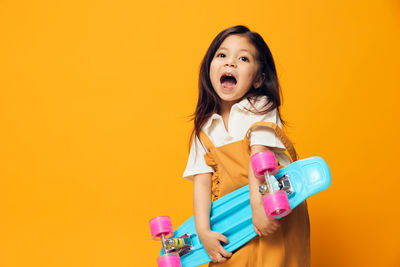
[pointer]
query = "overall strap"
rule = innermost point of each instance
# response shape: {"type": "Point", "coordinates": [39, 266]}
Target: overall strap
{"type": "Point", "coordinates": [206, 141]}
{"type": "Point", "coordinates": [279, 132]}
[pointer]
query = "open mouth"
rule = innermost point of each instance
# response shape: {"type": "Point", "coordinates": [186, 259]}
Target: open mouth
{"type": "Point", "coordinates": [228, 81]}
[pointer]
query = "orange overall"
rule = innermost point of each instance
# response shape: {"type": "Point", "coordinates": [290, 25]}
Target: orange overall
{"type": "Point", "coordinates": [289, 245]}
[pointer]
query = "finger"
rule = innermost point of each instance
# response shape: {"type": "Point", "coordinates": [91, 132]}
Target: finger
{"type": "Point", "coordinates": [275, 223]}
{"type": "Point", "coordinates": [220, 259]}
{"type": "Point", "coordinates": [257, 231]}
{"type": "Point", "coordinates": [272, 230]}
{"type": "Point", "coordinates": [274, 227]}
{"type": "Point", "coordinates": [223, 238]}
{"type": "Point", "coordinates": [212, 258]}
{"type": "Point", "coordinates": [265, 233]}
{"type": "Point", "coordinates": [215, 257]}
{"type": "Point", "coordinates": [224, 252]}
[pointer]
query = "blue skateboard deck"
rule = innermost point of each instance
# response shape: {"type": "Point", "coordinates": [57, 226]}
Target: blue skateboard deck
{"type": "Point", "coordinates": [231, 215]}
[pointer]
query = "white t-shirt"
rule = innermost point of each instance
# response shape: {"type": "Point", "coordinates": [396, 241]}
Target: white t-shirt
{"type": "Point", "coordinates": [239, 122]}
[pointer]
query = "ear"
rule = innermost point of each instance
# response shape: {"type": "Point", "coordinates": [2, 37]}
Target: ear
{"type": "Point", "coordinates": [259, 80]}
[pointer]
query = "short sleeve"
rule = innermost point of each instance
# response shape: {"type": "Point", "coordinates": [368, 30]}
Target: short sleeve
{"type": "Point", "coordinates": [266, 136]}
{"type": "Point", "coordinates": [196, 163]}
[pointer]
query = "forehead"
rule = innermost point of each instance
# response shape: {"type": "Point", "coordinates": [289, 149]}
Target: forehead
{"type": "Point", "coordinates": [238, 43]}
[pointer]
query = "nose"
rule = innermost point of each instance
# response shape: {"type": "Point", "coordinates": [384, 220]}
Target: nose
{"type": "Point", "coordinates": [230, 62]}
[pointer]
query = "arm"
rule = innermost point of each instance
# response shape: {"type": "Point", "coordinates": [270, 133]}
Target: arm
{"type": "Point", "coordinates": [202, 201]}
{"type": "Point", "coordinates": [262, 224]}
{"type": "Point", "coordinates": [202, 205]}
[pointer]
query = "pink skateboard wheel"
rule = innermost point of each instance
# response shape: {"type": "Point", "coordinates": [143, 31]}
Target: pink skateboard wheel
{"type": "Point", "coordinates": [169, 260]}
{"type": "Point", "coordinates": [262, 162]}
{"type": "Point", "coordinates": [161, 225]}
{"type": "Point", "coordinates": [276, 204]}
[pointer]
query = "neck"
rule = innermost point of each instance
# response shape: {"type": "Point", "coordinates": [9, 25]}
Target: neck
{"type": "Point", "coordinates": [225, 112]}
{"type": "Point", "coordinates": [226, 108]}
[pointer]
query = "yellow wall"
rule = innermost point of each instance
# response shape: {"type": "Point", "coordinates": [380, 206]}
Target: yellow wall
{"type": "Point", "coordinates": [94, 99]}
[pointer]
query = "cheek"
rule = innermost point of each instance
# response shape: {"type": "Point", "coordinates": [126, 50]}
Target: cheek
{"type": "Point", "coordinates": [251, 75]}
{"type": "Point", "coordinates": [213, 72]}
{"type": "Point", "coordinates": [212, 65]}
{"type": "Point", "coordinates": [248, 77]}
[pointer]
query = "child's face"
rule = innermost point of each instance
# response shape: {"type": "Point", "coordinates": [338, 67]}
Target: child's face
{"type": "Point", "coordinates": [235, 57]}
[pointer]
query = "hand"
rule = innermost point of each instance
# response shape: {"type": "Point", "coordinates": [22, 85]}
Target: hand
{"type": "Point", "coordinates": [211, 242]}
{"type": "Point", "coordinates": [263, 225]}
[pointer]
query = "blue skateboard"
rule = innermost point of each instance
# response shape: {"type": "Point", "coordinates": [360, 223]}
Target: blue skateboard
{"type": "Point", "coordinates": [231, 215]}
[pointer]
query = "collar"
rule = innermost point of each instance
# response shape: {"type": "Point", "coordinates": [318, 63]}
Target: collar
{"type": "Point", "coordinates": [243, 105]}
{"type": "Point", "coordinates": [213, 117]}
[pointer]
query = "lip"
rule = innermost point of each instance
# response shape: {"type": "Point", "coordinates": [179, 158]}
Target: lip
{"type": "Point", "coordinates": [224, 89]}
{"type": "Point", "coordinates": [229, 74]}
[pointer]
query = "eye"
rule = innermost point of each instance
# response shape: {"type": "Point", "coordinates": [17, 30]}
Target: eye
{"type": "Point", "coordinates": [245, 59]}
{"type": "Point", "coordinates": [220, 55]}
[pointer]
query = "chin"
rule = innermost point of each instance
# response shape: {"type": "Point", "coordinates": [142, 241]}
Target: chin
{"type": "Point", "coordinates": [230, 99]}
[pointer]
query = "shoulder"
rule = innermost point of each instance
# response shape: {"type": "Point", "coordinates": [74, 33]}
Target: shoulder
{"type": "Point", "coordinates": [255, 105]}
{"type": "Point", "coordinates": [260, 103]}
{"type": "Point", "coordinates": [196, 163]}
{"type": "Point", "coordinates": [254, 109]}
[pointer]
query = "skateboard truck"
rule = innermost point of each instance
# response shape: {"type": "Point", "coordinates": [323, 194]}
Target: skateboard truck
{"type": "Point", "coordinates": [267, 185]}
{"type": "Point", "coordinates": [181, 245]}
{"type": "Point", "coordinates": [275, 191]}
{"type": "Point", "coordinates": [283, 183]}
{"type": "Point", "coordinates": [173, 247]}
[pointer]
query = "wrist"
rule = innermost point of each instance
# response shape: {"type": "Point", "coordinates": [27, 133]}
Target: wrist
{"type": "Point", "coordinates": [202, 229]}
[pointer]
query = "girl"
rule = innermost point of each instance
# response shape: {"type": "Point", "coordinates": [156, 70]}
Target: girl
{"type": "Point", "coordinates": [237, 115]}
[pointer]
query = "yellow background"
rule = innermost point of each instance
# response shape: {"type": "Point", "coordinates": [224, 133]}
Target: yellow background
{"type": "Point", "coordinates": [95, 98]}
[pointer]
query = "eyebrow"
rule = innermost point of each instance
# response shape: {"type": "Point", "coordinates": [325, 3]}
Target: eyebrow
{"type": "Point", "coordinates": [239, 50]}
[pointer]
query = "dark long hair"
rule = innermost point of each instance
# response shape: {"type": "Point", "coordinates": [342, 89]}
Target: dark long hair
{"type": "Point", "coordinates": [209, 102]}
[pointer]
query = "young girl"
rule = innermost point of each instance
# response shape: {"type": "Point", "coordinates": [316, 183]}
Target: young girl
{"type": "Point", "coordinates": [237, 115]}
